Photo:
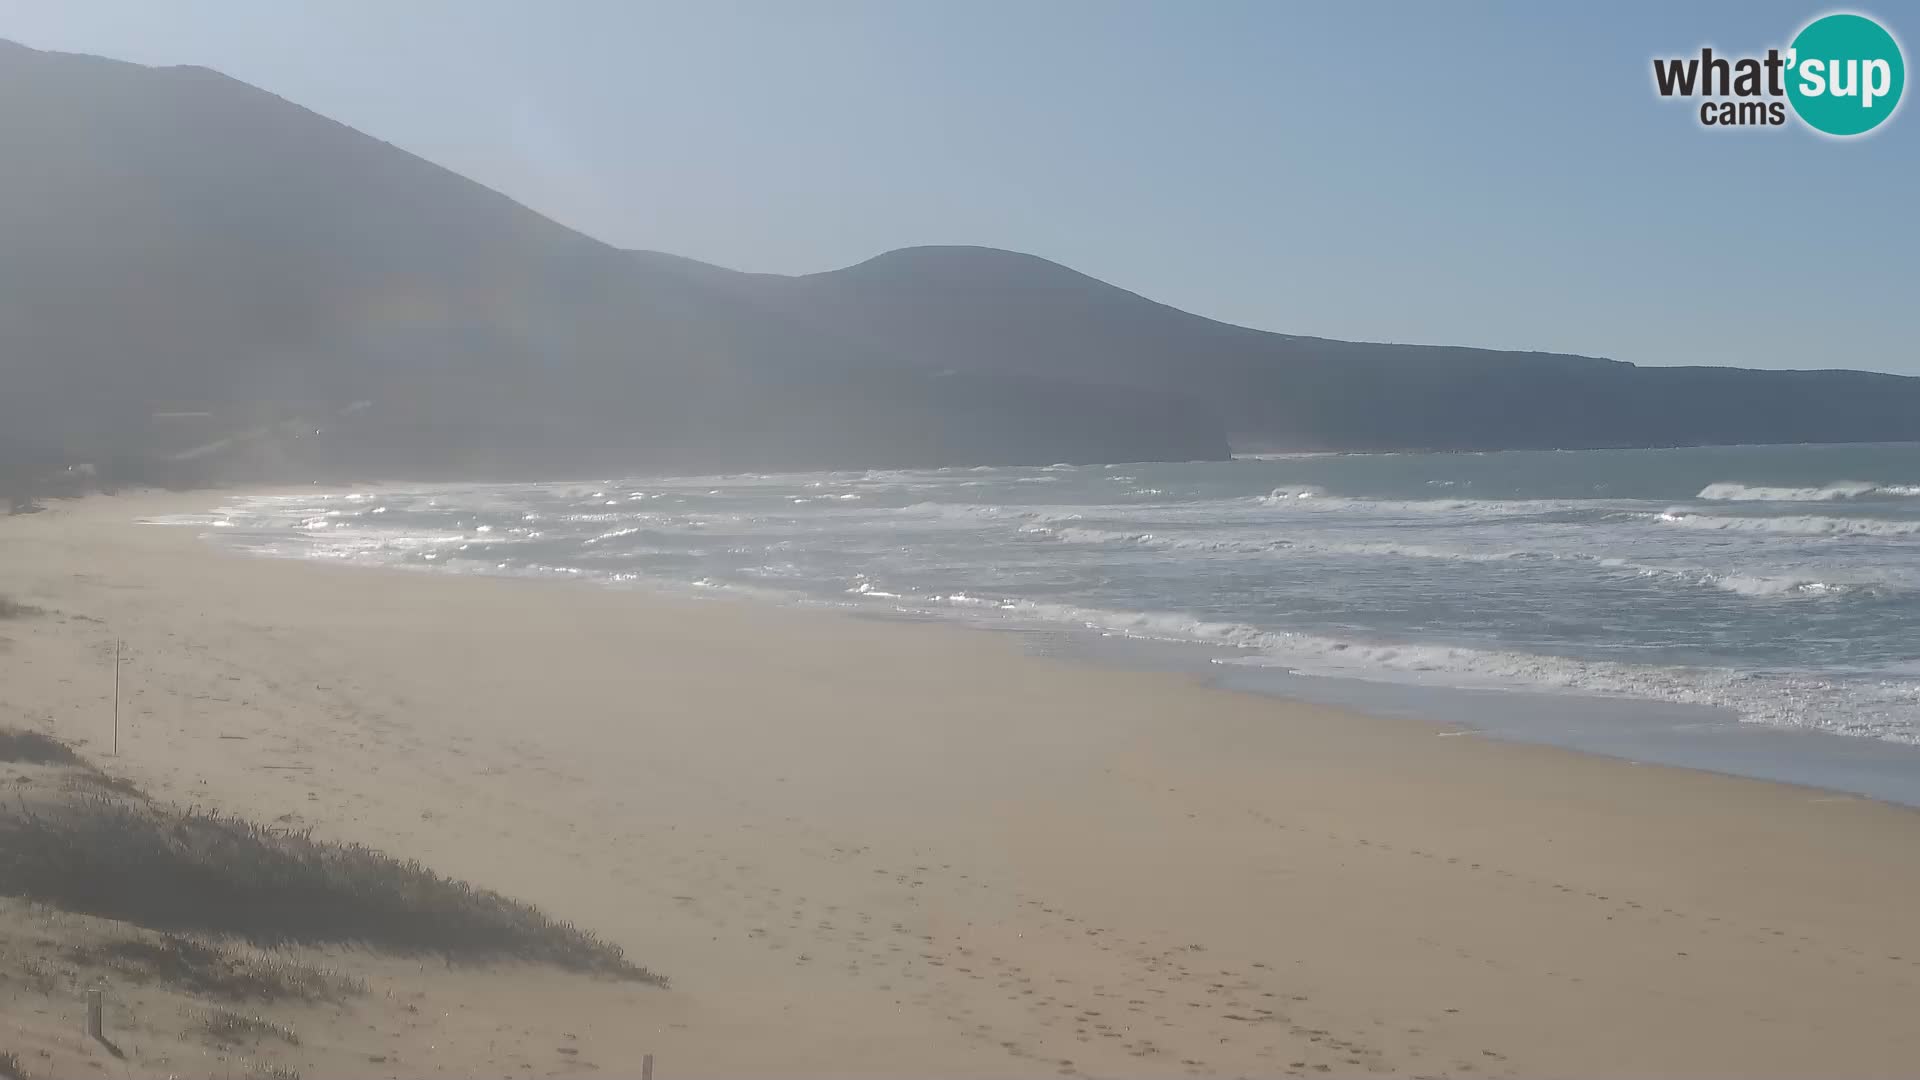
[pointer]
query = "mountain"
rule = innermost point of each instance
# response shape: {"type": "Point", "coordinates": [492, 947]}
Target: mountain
{"type": "Point", "coordinates": [200, 279]}
{"type": "Point", "coordinates": [181, 245]}
{"type": "Point", "coordinates": [980, 309]}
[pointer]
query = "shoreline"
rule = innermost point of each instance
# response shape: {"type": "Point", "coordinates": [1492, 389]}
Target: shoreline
{"type": "Point", "coordinates": [1706, 739]}
{"type": "Point", "coordinates": [1640, 731]}
{"type": "Point", "coordinates": [1637, 729]}
{"type": "Point", "coordinates": [861, 846]}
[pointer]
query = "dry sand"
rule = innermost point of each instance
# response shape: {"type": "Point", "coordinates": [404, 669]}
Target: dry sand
{"type": "Point", "coordinates": [864, 847]}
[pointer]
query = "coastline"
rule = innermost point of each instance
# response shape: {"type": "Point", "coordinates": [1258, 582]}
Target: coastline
{"type": "Point", "coordinates": [991, 863]}
{"type": "Point", "coordinates": [1699, 738]}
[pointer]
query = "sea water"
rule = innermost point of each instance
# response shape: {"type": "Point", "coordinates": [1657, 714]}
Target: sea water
{"type": "Point", "coordinates": [1779, 585]}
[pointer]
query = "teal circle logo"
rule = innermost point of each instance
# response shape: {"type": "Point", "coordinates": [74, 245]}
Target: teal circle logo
{"type": "Point", "coordinates": [1845, 74]}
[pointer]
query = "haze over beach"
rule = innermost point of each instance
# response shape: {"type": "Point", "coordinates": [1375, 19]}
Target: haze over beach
{"type": "Point", "coordinates": [727, 542]}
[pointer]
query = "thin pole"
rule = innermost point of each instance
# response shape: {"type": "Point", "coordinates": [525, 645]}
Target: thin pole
{"type": "Point", "coordinates": [116, 698]}
{"type": "Point", "coordinates": [646, 1067]}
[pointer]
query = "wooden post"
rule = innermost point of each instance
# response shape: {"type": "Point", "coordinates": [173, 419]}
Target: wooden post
{"type": "Point", "coordinates": [116, 697]}
{"type": "Point", "coordinates": [96, 1003]}
{"type": "Point", "coordinates": [646, 1067]}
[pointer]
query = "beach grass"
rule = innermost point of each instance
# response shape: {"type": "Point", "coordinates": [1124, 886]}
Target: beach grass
{"type": "Point", "coordinates": [23, 747]}
{"type": "Point", "coordinates": [197, 870]}
{"type": "Point", "coordinates": [209, 969]}
{"type": "Point", "coordinates": [227, 1026]}
{"type": "Point", "coordinates": [19, 746]}
{"type": "Point", "coordinates": [14, 609]}
{"type": "Point", "coordinates": [103, 849]}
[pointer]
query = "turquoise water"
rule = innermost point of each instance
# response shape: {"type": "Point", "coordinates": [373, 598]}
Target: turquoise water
{"type": "Point", "coordinates": [1782, 583]}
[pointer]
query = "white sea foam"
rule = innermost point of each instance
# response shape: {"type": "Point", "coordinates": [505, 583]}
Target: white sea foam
{"type": "Point", "coordinates": [213, 520]}
{"type": "Point", "coordinates": [1762, 585]}
{"type": "Point", "coordinates": [613, 534]}
{"type": "Point", "coordinates": [1779, 699]}
{"type": "Point", "coordinates": [1779, 585]}
{"type": "Point", "coordinates": [1308, 497]}
{"type": "Point", "coordinates": [949, 511]}
{"type": "Point", "coordinates": [1231, 545]}
{"type": "Point", "coordinates": [1839, 489]}
{"type": "Point", "coordinates": [1742, 584]}
{"type": "Point", "coordinates": [1290, 494]}
{"type": "Point", "coordinates": [1792, 524]}
{"type": "Point", "coordinates": [962, 600]}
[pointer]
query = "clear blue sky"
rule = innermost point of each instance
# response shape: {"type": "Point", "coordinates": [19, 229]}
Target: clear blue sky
{"type": "Point", "coordinates": [1485, 174]}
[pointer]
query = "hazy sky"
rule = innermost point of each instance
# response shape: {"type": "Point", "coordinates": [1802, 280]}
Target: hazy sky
{"type": "Point", "coordinates": [1485, 174]}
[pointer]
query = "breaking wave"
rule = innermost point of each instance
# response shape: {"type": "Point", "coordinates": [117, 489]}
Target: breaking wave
{"type": "Point", "coordinates": [1751, 585]}
{"type": "Point", "coordinates": [1793, 524]}
{"type": "Point", "coordinates": [1166, 542]}
{"type": "Point", "coordinates": [1840, 489]}
{"type": "Point", "coordinates": [1740, 584]}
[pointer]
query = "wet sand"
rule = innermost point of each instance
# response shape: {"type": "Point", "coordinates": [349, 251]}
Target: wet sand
{"type": "Point", "coordinates": [865, 847]}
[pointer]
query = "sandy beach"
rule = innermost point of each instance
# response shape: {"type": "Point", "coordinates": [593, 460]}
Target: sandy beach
{"type": "Point", "coordinates": [887, 848]}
